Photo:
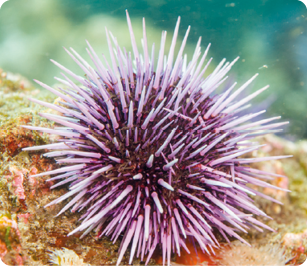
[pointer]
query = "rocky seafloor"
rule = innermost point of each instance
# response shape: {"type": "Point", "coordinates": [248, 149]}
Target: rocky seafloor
{"type": "Point", "coordinates": [31, 234]}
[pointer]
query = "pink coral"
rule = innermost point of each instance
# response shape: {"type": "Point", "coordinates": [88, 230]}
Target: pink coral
{"type": "Point", "coordinates": [18, 177]}
{"type": "Point", "coordinates": [24, 217]}
{"type": "Point", "coordinates": [3, 250]}
{"type": "Point", "coordinates": [292, 239]}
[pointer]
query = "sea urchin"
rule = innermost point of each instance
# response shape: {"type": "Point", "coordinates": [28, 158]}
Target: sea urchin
{"type": "Point", "coordinates": [154, 155]}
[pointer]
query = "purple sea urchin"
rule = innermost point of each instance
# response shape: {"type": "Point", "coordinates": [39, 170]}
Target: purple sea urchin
{"type": "Point", "coordinates": [154, 155]}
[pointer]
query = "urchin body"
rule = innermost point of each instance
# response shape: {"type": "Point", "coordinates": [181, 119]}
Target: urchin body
{"type": "Point", "coordinates": [153, 155]}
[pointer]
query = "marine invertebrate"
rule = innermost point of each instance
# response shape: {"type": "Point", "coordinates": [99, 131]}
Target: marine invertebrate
{"type": "Point", "coordinates": [151, 154]}
{"type": "Point", "coordinates": [240, 254]}
{"type": "Point", "coordinates": [65, 257]}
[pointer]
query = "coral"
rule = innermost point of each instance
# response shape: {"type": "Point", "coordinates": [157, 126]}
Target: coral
{"type": "Point", "coordinates": [296, 246]}
{"type": "Point", "coordinates": [10, 241]}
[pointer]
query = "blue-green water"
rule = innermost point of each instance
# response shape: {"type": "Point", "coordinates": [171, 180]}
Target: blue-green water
{"type": "Point", "coordinates": [269, 36]}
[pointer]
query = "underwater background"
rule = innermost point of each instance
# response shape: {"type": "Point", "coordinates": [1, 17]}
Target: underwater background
{"type": "Point", "coordinates": [269, 36]}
